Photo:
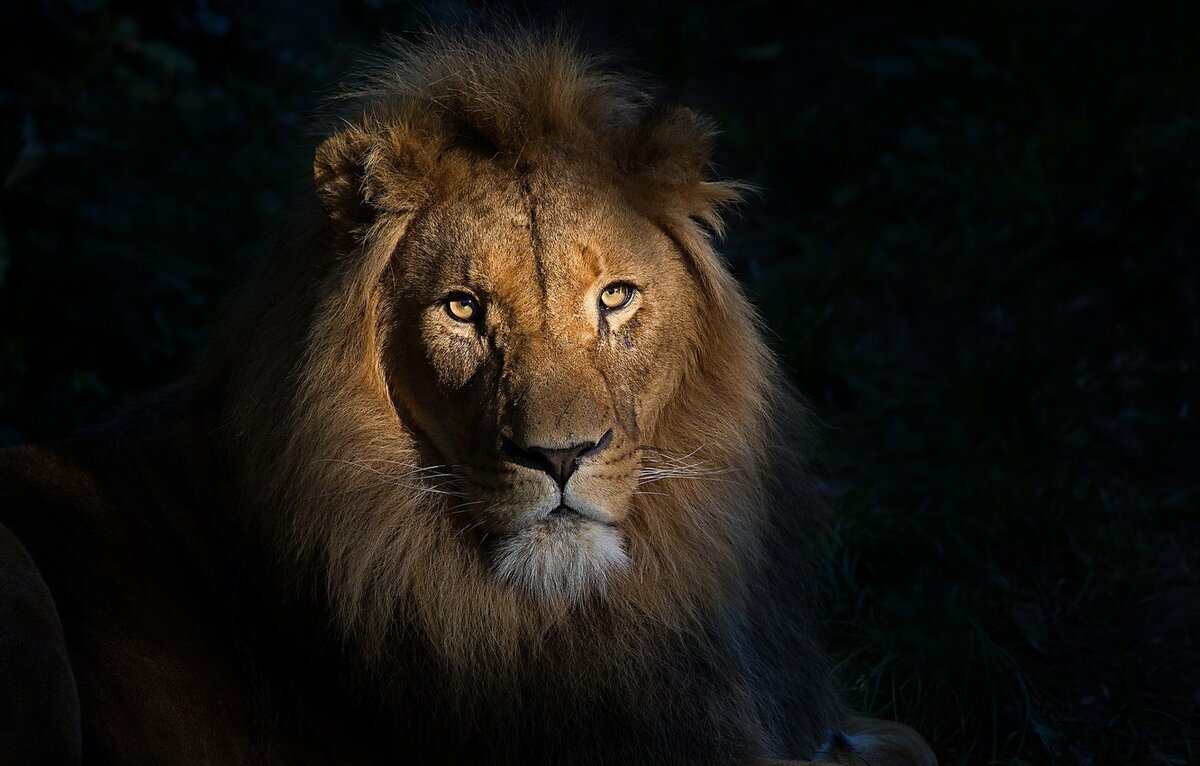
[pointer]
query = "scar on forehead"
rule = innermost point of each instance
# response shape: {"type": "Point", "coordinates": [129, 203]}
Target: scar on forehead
{"type": "Point", "coordinates": [592, 258]}
{"type": "Point", "coordinates": [466, 268]}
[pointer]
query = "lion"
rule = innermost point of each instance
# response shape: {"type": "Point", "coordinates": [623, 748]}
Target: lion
{"type": "Point", "coordinates": [487, 463]}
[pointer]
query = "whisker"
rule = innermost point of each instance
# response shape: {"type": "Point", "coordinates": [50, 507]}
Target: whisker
{"type": "Point", "coordinates": [406, 479]}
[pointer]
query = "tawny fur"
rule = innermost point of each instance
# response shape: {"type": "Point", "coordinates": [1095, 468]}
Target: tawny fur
{"type": "Point", "coordinates": [691, 635]}
{"type": "Point", "coordinates": [393, 562]}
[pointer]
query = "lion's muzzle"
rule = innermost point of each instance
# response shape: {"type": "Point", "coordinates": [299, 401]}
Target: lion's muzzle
{"type": "Point", "coordinates": [559, 462]}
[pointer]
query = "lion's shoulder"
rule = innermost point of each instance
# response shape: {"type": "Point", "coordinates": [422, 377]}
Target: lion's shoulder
{"type": "Point", "coordinates": [43, 477]}
{"type": "Point", "coordinates": [54, 501]}
{"type": "Point", "coordinates": [107, 610]}
{"type": "Point", "coordinates": [46, 497]}
{"type": "Point", "coordinates": [39, 705]}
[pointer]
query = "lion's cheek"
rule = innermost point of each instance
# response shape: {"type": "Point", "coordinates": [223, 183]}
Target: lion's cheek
{"type": "Point", "coordinates": [455, 360]}
{"type": "Point", "coordinates": [604, 496]}
{"type": "Point", "coordinates": [453, 353]}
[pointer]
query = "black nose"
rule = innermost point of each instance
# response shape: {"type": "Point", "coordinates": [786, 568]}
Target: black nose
{"type": "Point", "coordinates": [559, 462]}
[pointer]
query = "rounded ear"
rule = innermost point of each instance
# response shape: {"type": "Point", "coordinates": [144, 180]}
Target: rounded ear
{"type": "Point", "coordinates": [359, 173]}
{"type": "Point", "coordinates": [669, 154]}
{"type": "Point", "coordinates": [674, 142]}
{"type": "Point", "coordinates": [338, 175]}
{"type": "Point", "coordinates": [668, 157]}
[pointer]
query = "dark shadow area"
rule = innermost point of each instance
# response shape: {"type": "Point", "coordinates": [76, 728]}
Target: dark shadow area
{"type": "Point", "coordinates": [977, 249]}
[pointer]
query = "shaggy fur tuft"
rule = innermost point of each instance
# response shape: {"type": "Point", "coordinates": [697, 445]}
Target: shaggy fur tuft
{"type": "Point", "coordinates": [713, 595]}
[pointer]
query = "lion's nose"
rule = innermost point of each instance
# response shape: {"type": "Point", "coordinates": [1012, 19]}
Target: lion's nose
{"type": "Point", "coordinates": [559, 462]}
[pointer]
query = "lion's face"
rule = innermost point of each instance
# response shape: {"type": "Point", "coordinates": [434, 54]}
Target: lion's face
{"type": "Point", "coordinates": [538, 326]}
{"type": "Point", "coordinates": [509, 295]}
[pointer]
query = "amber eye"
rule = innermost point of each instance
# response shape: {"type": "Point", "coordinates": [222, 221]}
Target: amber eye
{"type": "Point", "coordinates": [462, 307]}
{"type": "Point", "coordinates": [617, 295]}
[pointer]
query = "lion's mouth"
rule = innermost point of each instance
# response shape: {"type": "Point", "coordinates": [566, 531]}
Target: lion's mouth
{"type": "Point", "coordinates": [562, 511]}
{"type": "Point", "coordinates": [564, 516]}
{"type": "Point", "coordinates": [563, 556]}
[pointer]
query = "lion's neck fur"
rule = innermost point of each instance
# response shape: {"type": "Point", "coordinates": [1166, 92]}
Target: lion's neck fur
{"type": "Point", "coordinates": [326, 482]}
{"type": "Point", "coordinates": [397, 569]}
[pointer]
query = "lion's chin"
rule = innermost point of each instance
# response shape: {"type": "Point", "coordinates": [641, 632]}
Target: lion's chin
{"type": "Point", "coordinates": [560, 559]}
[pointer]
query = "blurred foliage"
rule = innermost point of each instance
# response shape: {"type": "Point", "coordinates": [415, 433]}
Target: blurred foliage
{"type": "Point", "coordinates": [976, 249]}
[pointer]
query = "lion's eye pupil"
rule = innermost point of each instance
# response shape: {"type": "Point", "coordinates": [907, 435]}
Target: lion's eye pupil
{"type": "Point", "coordinates": [461, 307]}
{"type": "Point", "coordinates": [616, 295]}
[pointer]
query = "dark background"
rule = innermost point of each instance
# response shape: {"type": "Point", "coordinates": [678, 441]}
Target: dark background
{"type": "Point", "coordinates": [976, 248]}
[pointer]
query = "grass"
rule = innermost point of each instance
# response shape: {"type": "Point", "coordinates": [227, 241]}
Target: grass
{"type": "Point", "coordinates": [976, 251]}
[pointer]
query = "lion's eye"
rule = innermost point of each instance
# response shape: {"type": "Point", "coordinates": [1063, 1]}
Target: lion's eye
{"type": "Point", "coordinates": [462, 307]}
{"type": "Point", "coordinates": [617, 295]}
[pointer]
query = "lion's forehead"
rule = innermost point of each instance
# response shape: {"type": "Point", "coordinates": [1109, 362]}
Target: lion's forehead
{"type": "Point", "coordinates": [511, 240]}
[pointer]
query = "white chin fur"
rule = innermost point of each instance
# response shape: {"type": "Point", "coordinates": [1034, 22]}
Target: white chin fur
{"type": "Point", "coordinates": [560, 559]}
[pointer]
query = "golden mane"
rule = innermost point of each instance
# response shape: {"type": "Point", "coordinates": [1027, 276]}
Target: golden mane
{"type": "Point", "coordinates": [327, 476]}
{"type": "Point", "coordinates": [512, 98]}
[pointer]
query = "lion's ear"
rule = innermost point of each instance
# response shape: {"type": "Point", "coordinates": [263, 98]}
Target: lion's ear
{"type": "Point", "coordinates": [359, 174]}
{"type": "Point", "coordinates": [338, 174]}
{"type": "Point", "coordinates": [669, 154]}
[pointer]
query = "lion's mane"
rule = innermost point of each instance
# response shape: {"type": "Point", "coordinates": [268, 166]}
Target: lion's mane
{"type": "Point", "coordinates": [326, 477]}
